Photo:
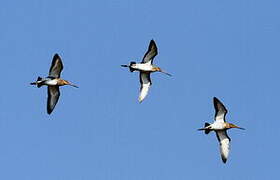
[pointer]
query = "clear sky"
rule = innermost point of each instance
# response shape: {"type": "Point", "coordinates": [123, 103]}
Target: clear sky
{"type": "Point", "coordinates": [227, 49]}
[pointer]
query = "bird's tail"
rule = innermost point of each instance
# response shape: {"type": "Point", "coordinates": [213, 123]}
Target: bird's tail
{"type": "Point", "coordinates": [129, 66]}
{"type": "Point", "coordinates": [38, 83]}
{"type": "Point", "coordinates": [206, 130]}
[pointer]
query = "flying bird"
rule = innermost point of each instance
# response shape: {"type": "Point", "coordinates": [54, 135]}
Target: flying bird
{"type": "Point", "coordinates": [145, 68]}
{"type": "Point", "coordinates": [53, 81]}
{"type": "Point", "coordinates": [220, 126]}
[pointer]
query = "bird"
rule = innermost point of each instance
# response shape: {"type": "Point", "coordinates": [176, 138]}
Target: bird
{"type": "Point", "coordinates": [145, 68]}
{"type": "Point", "coordinates": [220, 126]}
{"type": "Point", "coordinates": [53, 81]}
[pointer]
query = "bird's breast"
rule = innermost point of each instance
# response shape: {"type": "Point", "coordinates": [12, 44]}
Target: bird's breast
{"type": "Point", "coordinates": [143, 67]}
{"type": "Point", "coordinates": [51, 82]}
{"type": "Point", "coordinates": [218, 126]}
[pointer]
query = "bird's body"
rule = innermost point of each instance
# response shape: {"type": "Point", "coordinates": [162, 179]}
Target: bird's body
{"type": "Point", "coordinates": [53, 81]}
{"type": "Point", "coordinates": [145, 68]}
{"type": "Point", "coordinates": [217, 125]}
{"type": "Point", "coordinates": [220, 126]}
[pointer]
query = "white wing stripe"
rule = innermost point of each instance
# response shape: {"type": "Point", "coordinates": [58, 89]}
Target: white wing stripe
{"type": "Point", "coordinates": [224, 144]}
{"type": "Point", "coordinates": [145, 85]}
{"type": "Point", "coordinates": [144, 91]}
{"type": "Point", "coordinates": [224, 148]}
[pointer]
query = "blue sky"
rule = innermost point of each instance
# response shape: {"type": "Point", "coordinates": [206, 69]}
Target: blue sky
{"type": "Point", "coordinates": [227, 49]}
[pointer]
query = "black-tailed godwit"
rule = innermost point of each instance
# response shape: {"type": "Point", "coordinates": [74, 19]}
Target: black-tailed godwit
{"type": "Point", "coordinates": [53, 81]}
{"type": "Point", "coordinates": [220, 126]}
{"type": "Point", "coordinates": [145, 68]}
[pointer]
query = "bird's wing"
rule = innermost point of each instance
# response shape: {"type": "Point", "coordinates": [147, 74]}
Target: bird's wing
{"type": "Point", "coordinates": [151, 53]}
{"type": "Point", "coordinates": [146, 82]}
{"type": "Point", "coordinates": [220, 110]}
{"type": "Point", "coordinates": [53, 96]}
{"type": "Point", "coordinates": [56, 67]}
{"type": "Point", "coordinates": [224, 144]}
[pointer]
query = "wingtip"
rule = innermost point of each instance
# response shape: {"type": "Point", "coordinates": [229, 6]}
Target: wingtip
{"type": "Point", "coordinates": [140, 99]}
{"type": "Point", "coordinates": [56, 56]}
{"type": "Point", "coordinates": [153, 42]}
{"type": "Point", "coordinates": [216, 101]}
{"type": "Point", "coordinates": [49, 111]}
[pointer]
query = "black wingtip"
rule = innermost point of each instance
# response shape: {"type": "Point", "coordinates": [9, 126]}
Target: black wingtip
{"type": "Point", "coordinates": [152, 42]}
{"type": "Point", "coordinates": [216, 101]}
{"type": "Point", "coordinates": [49, 111]}
{"type": "Point", "coordinates": [56, 56]}
{"type": "Point", "coordinates": [224, 160]}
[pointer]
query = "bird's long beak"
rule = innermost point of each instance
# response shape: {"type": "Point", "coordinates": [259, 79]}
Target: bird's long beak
{"type": "Point", "coordinates": [124, 66]}
{"type": "Point", "coordinates": [234, 126]}
{"type": "Point", "coordinates": [165, 72]}
{"type": "Point", "coordinates": [71, 84]}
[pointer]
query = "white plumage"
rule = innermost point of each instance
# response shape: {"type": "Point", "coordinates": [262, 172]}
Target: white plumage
{"type": "Point", "coordinates": [145, 81]}
{"type": "Point", "coordinates": [224, 144]}
{"type": "Point", "coordinates": [143, 67]}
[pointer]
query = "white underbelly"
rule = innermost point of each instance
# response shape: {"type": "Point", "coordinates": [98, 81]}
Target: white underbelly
{"type": "Point", "coordinates": [52, 82]}
{"type": "Point", "coordinates": [143, 67]}
{"type": "Point", "coordinates": [218, 126]}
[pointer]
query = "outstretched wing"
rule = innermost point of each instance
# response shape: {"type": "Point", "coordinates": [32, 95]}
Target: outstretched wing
{"type": "Point", "coordinates": [151, 53]}
{"type": "Point", "coordinates": [146, 82]}
{"type": "Point", "coordinates": [53, 96]}
{"type": "Point", "coordinates": [224, 144]}
{"type": "Point", "coordinates": [56, 67]}
{"type": "Point", "coordinates": [220, 109]}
